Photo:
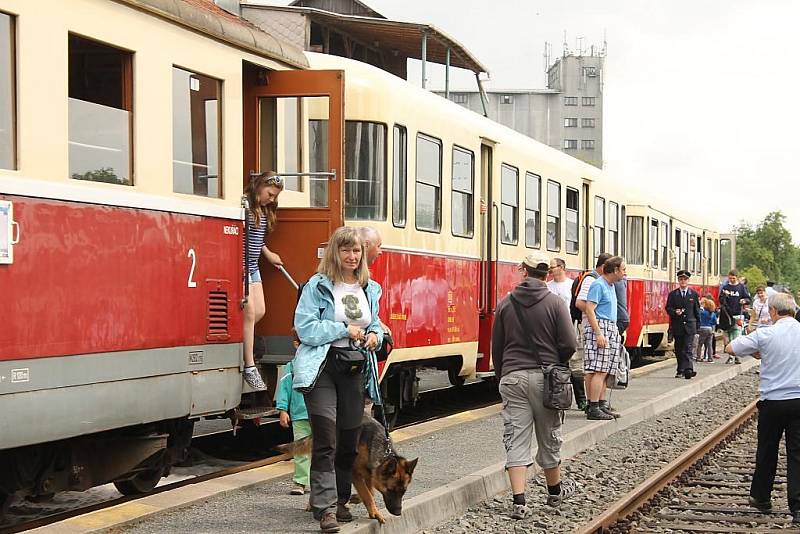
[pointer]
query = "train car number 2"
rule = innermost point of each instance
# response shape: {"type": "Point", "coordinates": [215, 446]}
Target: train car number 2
{"type": "Point", "coordinates": [192, 254]}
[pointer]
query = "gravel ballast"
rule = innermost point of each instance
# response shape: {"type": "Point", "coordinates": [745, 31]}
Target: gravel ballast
{"type": "Point", "coordinates": [609, 470]}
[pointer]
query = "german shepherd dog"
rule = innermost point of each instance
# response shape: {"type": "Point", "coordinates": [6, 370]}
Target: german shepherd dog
{"type": "Point", "coordinates": [377, 467]}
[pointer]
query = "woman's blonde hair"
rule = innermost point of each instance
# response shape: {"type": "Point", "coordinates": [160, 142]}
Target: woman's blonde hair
{"type": "Point", "coordinates": [270, 211]}
{"type": "Point", "coordinates": [331, 266]}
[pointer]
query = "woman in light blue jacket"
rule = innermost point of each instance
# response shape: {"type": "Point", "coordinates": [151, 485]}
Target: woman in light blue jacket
{"type": "Point", "coordinates": [337, 323]}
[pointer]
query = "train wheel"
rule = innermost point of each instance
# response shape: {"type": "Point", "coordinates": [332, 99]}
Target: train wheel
{"type": "Point", "coordinates": [452, 375]}
{"type": "Point", "coordinates": [141, 482]}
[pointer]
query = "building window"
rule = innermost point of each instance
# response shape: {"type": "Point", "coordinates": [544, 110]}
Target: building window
{"type": "Point", "coordinates": [507, 99]}
{"type": "Point", "coordinates": [8, 106]}
{"type": "Point", "coordinates": [570, 100]}
{"type": "Point", "coordinates": [570, 144]}
{"type": "Point", "coordinates": [100, 110]}
{"type": "Point", "coordinates": [399, 175]}
{"type": "Point", "coordinates": [429, 183]}
{"type": "Point", "coordinates": [587, 101]}
{"type": "Point", "coordinates": [634, 233]}
{"type": "Point", "coordinates": [654, 248]}
{"type": "Point", "coordinates": [613, 228]}
{"type": "Point", "coordinates": [509, 198]}
{"type": "Point", "coordinates": [664, 245]}
{"type": "Point", "coordinates": [463, 179]}
{"type": "Point", "coordinates": [572, 221]}
{"type": "Point", "coordinates": [533, 203]}
{"type": "Point", "coordinates": [599, 232]}
{"type": "Point", "coordinates": [196, 147]}
{"type": "Point", "coordinates": [571, 122]}
{"type": "Point", "coordinates": [590, 71]}
{"type": "Point", "coordinates": [587, 144]}
{"type": "Point", "coordinates": [587, 123]}
{"type": "Point", "coordinates": [365, 166]}
{"type": "Point", "coordinates": [459, 98]}
{"type": "Point", "coordinates": [553, 216]}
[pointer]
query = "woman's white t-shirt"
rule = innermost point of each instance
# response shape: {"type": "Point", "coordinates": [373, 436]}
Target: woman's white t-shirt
{"type": "Point", "coordinates": [351, 307]}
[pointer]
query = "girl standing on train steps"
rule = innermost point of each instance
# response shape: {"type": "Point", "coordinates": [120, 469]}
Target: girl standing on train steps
{"type": "Point", "coordinates": [262, 198]}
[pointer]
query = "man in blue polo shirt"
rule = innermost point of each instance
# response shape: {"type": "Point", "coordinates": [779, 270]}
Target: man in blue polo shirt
{"type": "Point", "coordinates": [778, 346]}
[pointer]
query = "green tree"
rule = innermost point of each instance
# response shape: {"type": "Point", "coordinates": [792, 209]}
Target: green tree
{"type": "Point", "coordinates": [755, 277]}
{"type": "Point", "coordinates": [768, 246]}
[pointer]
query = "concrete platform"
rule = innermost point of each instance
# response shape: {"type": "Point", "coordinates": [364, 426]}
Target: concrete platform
{"type": "Point", "coordinates": [461, 463]}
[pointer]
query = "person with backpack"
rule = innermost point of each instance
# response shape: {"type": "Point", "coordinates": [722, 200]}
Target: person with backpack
{"type": "Point", "coordinates": [580, 292]}
{"type": "Point", "coordinates": [732, 295]}
{"type": "Point", "coordinates": [531, 332]}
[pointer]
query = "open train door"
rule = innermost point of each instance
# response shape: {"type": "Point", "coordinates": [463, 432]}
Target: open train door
{"type": "Point", "coordinates": [294, 124]}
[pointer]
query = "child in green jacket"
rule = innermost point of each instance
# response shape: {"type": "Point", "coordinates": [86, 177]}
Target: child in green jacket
{"type": "Point", "coordinates": [292, 408]}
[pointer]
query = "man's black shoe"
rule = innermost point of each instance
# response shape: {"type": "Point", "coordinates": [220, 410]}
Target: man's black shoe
{"type": "Point", "coordinates": [679, 374]}
{"type": "Point", "coordinates": [796, 517]}
{"type": "Point", "coordinates": [765, 506]}
{"type": "Point", "coordinates": [606, 407]}
{"type": "Point", "coordinates": [689, 373]}
{"type": "Point", "coordinates": [594, 413]}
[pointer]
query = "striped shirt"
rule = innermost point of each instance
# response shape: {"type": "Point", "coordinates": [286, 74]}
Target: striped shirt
{"type": "Point", "coordinates": [255, 240]}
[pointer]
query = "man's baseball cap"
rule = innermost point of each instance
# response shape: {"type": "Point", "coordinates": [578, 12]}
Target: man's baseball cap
{"type": "Point", "coordinates": [537, 262]}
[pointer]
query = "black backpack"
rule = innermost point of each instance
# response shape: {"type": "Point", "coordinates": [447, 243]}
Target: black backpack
{"type": "Point", "coordinates": [574, 312]}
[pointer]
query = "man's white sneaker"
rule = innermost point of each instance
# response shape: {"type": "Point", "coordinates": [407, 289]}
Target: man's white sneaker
{"type": "Point", "coordinates": [253, 378]}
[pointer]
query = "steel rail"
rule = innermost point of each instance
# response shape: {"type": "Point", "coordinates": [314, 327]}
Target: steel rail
{"type": "Point", "coordinates": [643, 493]}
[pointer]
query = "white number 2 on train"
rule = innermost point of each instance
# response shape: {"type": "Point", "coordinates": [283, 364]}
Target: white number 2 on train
{"type": "Point", "coordinates": [193, 255]}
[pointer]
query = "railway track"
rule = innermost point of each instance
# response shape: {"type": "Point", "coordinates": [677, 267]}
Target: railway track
{"type": "Point", "coordinates": [704, 490]}
{"type": "Point", "coordinates": [433, 404]}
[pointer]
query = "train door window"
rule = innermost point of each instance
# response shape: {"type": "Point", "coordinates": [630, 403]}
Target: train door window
{"type": "Point", "coordinates": [685, 249]}
{"type": "Point", "coordinates": [463, 192]}
{"type": "Point", "coordinates": [572, 225]}
{"type": "Point", "coordinates": [553, 216]}
{"type": "Point", "coordinates": [318, 161]}
{"type": "Point", "coordinates": [196, 146]}
{"type": "Point", "coordinates": [599, 233]}
{"type": "Point", "coordinates": [8, 106]}
{"type": "Point", "coordinates": [709, 254]}
{"type": "Point", "coordinates": [399, 175]}
{"type": "Point", "coordinates": [654, 247]}
{"type": "Point", "coordinates": [509, 208]}
{"type": "Point", "coordinates": [613, 228]}
{"type": "Point", "coordinates": [717, 252]}
{"type": "Point", "coordinates": [634, 233]}
{"type": "Point", "coordinates": [664, 245]}
{"type": "Point", "coordinates": [429, 183]}
{"type": "Point", "coordinates": [725, 256]}
{"type": "Point", "coordinates": [365, 168]}
{"type": "Point", "coordinates": [100, 110]}
{"type": "Point", "coordinates": [533, 207]}
{"type": "Point", "coordinates": [677, 246]}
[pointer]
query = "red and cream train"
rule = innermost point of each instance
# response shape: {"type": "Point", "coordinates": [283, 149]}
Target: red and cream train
{"type": "Point", "coordinates": [121, 225]}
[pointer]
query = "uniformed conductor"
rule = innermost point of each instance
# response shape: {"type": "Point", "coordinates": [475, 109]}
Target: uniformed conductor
{"type": "Point", "coordinates": [683, 307]}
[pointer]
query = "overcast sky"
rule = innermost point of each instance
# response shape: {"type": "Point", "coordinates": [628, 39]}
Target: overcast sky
{"type": "Point", "coordinates": [699, 95]}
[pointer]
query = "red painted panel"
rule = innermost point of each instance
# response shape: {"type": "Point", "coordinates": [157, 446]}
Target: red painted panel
{"type": "Point", "coordinates": [428, 300]}
{"type": "Point", "coordinates": [89, 278]}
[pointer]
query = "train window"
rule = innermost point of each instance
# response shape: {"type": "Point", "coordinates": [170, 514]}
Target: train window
{"type": "Point", "coordinates": [634, 233]}
{"type": "Point", "coordinates": [100, 109]}
{"type": "Point", "coordinates": [8, 136]}
{"type": "Point", "coordinates": [725, 256]}
{"type": "Point", "coordinates": [664, 245]}
{"type": "Point", "coordinates": [654, 248]}
{"type": "Point", "coordinates": [463, 180]}
{"type": "Point", "coordinates": [509, 204]}
{"type": "Point", "coordinates": [613, 228]}
{"type": "Point", "coordinates": [317, 162]}
{"type": "Point", "coordinates": [599, 232]}
{"type": "Point", "coordinates": [429, 183]}
{"type": "Point", "coordinates": [533, 217]}
{"type": "Point", "coordinates": [717, 252]}
{"type": "Point", "coordinates": [365, 171]}
{"type": "Point", "coordinates": [571, 228]}
{"type": "Point", "coordinates": [399, 175]}
{"type": "Point", "coordinates": [196, 146]}
{"type": "Point", "coordinates": [709, 254]}
{"type": "Point", "coordinates": [685, 249]}
{"type": "Point", "coordinates": [553, 216]}
{"type": "Point", "coordinates": [677, 247]}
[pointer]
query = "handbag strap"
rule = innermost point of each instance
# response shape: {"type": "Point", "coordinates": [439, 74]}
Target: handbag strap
{"type": "Point", "coordinates": [515, 304]}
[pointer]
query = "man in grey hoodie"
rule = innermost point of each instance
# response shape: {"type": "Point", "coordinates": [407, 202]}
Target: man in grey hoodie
{"type": "Point", "coordinates": [518, 365]}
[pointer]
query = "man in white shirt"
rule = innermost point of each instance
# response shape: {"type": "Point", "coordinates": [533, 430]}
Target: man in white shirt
{"type": "Point", "coordinates": [561, 286]}
{"type": "Point", "coordinates": [778, 347]}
